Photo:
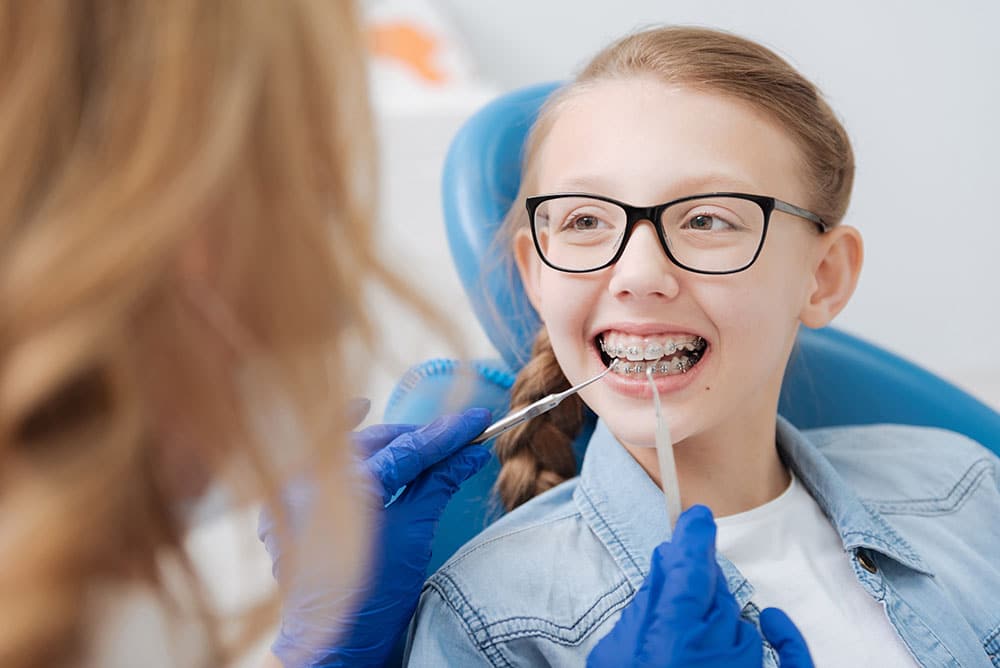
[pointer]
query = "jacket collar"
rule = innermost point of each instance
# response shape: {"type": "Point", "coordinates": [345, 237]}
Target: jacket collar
{"type": "Point", "coordinates": [858, 525]}
{"type": "Point", "coordinates": [626, 510]}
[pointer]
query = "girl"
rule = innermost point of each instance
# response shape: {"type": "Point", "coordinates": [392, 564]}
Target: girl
{"type": "Point", "coordinates": [681, 208]}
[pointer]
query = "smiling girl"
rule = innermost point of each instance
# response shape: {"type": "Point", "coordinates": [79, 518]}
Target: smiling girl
{"type": "Point", "coordinates": [681, 208]}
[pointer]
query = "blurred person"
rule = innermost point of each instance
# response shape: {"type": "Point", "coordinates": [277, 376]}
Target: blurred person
{"type": "Point", "coordinates": [186, 197]}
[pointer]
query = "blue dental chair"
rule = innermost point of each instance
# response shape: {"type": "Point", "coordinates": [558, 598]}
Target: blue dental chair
{"type": "Point", "coordinates": [833, 378]}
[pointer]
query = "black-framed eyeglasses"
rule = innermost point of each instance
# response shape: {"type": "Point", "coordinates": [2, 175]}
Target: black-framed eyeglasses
{"type": "Point", "coordinates": [710, 233]}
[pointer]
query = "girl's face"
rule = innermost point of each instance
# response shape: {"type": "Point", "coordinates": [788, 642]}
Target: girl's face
{"type": "Point", "coordinates": [643, 143]}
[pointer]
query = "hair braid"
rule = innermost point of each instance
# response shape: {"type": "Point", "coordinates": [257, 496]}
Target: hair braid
{"type": "Point", "coordinates": [538, 455]}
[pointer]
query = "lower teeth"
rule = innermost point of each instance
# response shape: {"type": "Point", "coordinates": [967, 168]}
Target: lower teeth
{"type": "Point", "coordinates": [670, 367]}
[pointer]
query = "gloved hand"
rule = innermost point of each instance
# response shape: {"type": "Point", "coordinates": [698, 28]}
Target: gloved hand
{"type": "Point", "coordinates": [684, 614]}
{"type": "Point", "coordinates": [432, 461]}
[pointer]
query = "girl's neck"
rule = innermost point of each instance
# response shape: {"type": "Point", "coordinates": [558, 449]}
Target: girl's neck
{"type": "Point", "coordinates": [731, 469]}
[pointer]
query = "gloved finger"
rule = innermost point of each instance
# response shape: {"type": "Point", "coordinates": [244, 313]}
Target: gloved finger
{"type": "Point", "coordinates": [785, 637]}
{"type": "Point", "coordinates": [722, 626]}
{"type": "Point", "coordinates": [407, 456]}
{"type": "Point", "coordinates": [434, 487]}
{"type": "Point", "coordinates": [356, 410]}
{"type": "Point", "coordinates": [688, 562]}
{"type": "Point", "coordinates": [370, 440]}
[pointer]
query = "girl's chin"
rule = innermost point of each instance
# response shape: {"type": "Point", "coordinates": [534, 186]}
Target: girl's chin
{"type": "Point", "coordinates": [633, 427]}
{"type": "Point", "coordinates": [633, 422]}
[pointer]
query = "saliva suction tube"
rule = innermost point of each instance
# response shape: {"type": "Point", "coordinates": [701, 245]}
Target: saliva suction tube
{"type": "Point", "coordinates": [665, 457]}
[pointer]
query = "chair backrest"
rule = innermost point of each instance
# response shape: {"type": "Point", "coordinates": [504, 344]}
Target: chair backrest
{"type": "Point", "coordinates": [482, 172]}
{"type": "Point", "coordinates": [833, 378]}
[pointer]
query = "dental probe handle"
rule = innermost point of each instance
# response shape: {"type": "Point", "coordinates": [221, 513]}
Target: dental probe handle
{"type": "Point", "coordinates": [517, 417]}
{"type": "Point", "coordinates": [530, 411]}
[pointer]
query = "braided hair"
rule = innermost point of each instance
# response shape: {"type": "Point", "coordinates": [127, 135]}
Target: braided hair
{"type": "Point", "coordinates": [538, 455]}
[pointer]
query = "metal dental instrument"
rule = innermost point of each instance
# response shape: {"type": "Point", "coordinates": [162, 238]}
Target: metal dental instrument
{"type": "Point", "coordinates": [543, 405]}
{"type": "Point", "coordinates": [665, 457]}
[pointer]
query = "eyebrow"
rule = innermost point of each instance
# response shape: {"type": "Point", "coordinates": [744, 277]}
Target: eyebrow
{"type": "Point", "coordinates": [711, 182]}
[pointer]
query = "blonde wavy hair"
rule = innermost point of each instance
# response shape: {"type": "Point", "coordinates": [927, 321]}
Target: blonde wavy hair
{"type": "Point", "coordinates": [538, 455]}
{"type": "Point", "coordinates": [186, 193]}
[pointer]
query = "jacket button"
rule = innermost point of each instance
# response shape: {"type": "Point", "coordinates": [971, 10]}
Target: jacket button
{"type": "Point", "coordinates": [866, 561]}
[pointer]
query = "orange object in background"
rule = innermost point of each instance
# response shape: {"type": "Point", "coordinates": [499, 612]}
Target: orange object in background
{"type": "Point", "coordinates": [409, 45]}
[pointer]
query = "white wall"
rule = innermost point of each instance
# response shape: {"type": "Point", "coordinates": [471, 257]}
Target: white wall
{"type": "Point", "coordinates": [918, 87]}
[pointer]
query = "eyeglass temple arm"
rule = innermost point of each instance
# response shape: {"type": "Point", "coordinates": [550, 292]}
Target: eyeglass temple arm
{"type": "Point", "coordinates": [801, 213]}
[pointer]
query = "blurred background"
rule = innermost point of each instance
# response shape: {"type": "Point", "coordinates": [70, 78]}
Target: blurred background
{"type": "Point", "coordinates": [916, 84]}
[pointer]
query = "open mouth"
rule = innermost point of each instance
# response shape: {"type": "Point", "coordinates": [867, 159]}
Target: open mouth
{"type": "Point", "coordinates": [667, 355]}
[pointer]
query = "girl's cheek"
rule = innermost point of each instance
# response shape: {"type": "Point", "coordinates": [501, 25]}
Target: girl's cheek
{"type": "Point", "coordinates": [565, 303]}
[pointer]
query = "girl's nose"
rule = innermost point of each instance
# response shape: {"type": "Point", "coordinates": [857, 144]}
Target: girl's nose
{"type": "Point", "coordinates": [644, 270]}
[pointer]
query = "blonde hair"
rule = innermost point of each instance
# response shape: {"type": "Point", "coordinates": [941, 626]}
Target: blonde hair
{"type": "Point", "coordinates": [186, 192]}
{"type": "Point", "coordinates": [701, 59]}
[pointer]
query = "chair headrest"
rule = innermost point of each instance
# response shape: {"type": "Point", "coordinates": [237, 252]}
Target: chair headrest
{"type": "Point", "coordinates": [482, 173]}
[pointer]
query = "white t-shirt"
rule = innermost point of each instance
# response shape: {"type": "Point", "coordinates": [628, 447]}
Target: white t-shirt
{"type": "Point", "coordinates": [795, 560]}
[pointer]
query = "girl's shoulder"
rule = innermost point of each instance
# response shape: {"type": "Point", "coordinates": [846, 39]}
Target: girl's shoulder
{"type": "Point", "coordinates": [895, 439]}
{"type": "Point", "coordinates": [892, 466]}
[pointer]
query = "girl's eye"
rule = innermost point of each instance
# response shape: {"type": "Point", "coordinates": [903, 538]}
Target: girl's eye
{"type": "Point", "coordinates": [704, 222]}
{"type": "Point", "coordinates": [582, 223]}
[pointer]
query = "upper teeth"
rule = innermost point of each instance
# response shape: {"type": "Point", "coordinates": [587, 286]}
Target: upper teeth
{"type": "Point", "coordinates": [635, 349]}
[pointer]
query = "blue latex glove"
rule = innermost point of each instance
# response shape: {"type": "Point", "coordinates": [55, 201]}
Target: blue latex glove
{"type": "Point", "coordinates": [432, 461]}
{"type": "Point", "coordinates": [684, 614]}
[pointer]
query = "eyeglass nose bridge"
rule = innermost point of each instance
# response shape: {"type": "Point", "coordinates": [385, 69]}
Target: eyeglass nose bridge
{"type": "Point", "coordinates": [650, 214]}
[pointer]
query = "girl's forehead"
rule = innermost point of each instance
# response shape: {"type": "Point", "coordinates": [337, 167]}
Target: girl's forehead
{"type": "Point", "coordinates": [647, 140]}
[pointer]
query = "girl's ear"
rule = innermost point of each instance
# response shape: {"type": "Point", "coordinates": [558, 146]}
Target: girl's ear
{"type": "Point", "coordinates": [835, 275]}
{"type": "Point", "coordinates": [528, 265]}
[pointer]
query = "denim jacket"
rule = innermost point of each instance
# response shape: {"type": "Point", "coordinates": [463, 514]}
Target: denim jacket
{"type": "Point", "coordinates": [543, 584]}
